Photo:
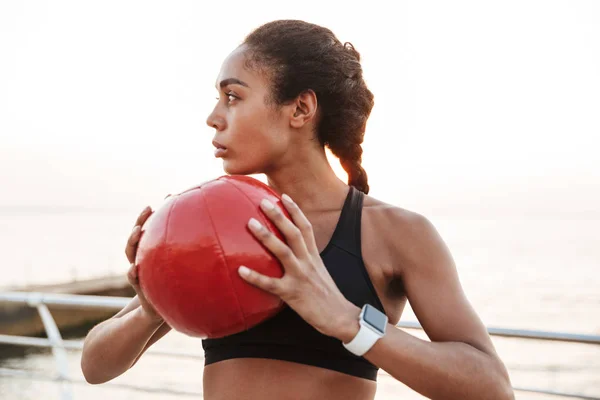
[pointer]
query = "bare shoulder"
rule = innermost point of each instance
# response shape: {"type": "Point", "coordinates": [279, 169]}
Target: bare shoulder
{"type": "Point", "coordinates": [406, 236]}
{"type": "Point", "coordinates": [423, 262]}
{"type": "Point", "coordinates": [391, 216]}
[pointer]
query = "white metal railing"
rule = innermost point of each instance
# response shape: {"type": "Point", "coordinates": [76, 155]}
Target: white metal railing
{"type": "Point", "coordinates": [526, 334]}
{"type": "Point", "coordinates": [60, 346]}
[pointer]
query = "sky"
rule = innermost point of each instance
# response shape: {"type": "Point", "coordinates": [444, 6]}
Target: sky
{"type": "Point", "coordinates": [489, 105]}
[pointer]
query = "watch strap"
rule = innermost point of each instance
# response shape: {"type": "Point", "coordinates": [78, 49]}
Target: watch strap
{"type": "Point", "coordinates": [363, 341]}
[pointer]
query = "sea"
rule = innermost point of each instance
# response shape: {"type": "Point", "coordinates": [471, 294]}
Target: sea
{"type": "Point", "coordinates": [538, 273]}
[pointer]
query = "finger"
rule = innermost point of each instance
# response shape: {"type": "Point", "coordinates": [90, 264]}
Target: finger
{"type": "Point", "coordinates": [273, 243]}
{"type": "Point", "coordinates": [291, 232]}
{"type": "Point", "coordinates": [267, 283]}
{"type": "Point", "coordinates": [132, 242]}
{"type": "Point", "coordinates": [134, 281]}
{"type": "Point", "coordinates": [303, 224]}
{"type": "Point", "coordinates": [132, 275]}
{"type": "Point", "coordinates": [146, 212]}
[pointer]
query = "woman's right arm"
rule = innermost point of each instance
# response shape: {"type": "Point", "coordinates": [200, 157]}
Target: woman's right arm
{"type": "Point", "coordinates": [115, 345]}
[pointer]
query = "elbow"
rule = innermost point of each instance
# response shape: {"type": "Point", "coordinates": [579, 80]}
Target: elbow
{"type": "Point", "coordinates": [89, 368]}
{"type": "Point", "coordinates": [86, 363]}
{"type": "Point", "coordinates": [505, 392]}
{"type": "Point", "coordinates": [89, 376]}
{"type": "Point", "coordinates": [93, 381]}
{"type": "Point", "coordinates": [498, 388]}
{"type": "Point", "coordinates": [510, 394]}
{"type": "Point", "coordinates": [89, 373]}
{"type": "Point", "coordinates": [504, 389]}
{"type": "Point", "coordinates": [97, 372]}
{"type": "Point", "coordinates": [93, 377]}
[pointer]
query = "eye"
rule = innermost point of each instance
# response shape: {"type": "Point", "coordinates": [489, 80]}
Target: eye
{"type": "Point", "coordinates": [231, 97]}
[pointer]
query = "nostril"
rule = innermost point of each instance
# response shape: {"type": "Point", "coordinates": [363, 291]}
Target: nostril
{"type": "Point", "coordinates": [215, 123]}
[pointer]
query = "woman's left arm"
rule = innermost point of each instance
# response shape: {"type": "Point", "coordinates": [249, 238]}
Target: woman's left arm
{"type": "Point", "coordinates": [460, 362]}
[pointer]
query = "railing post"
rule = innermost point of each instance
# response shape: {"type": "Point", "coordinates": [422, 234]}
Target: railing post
{"type": "Point", "coordinates": [58, 349]}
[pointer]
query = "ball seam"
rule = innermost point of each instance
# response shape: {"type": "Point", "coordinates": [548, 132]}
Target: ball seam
{"type": "Point", "coordinates": [225, 260]}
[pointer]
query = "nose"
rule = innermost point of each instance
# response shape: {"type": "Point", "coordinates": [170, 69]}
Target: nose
{"type": "Point", "coordinates": [215, 120]}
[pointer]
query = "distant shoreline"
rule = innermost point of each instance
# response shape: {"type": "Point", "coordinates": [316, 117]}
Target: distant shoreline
{"type": "Point", "coordinates": [45, 209]}
{"type": "Point", "coordinates": [443, 212]}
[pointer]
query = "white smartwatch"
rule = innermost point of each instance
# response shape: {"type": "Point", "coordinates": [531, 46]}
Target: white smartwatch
{"type": "Point", "coordinates": [372, 328]}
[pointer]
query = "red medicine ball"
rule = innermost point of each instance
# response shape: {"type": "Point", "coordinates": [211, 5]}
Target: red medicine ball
{"type": "Point", "coordinates": [190, 251]}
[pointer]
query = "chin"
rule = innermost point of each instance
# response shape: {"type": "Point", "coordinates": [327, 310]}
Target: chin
{"type": "Point", "coordinates": [236, 168]}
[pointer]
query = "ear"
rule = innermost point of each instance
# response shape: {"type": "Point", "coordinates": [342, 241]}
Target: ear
{"type": "Point", "coordinates": [304, 109]}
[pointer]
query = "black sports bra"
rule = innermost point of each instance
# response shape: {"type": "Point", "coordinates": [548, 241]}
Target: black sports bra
{"type": "Point", "coordinates": [287, 336]}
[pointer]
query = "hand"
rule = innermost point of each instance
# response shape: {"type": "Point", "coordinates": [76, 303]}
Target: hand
{"type": "Point", "coordinates": [132, 274]}
{"type": "Point", "coordinates": [306, 286]}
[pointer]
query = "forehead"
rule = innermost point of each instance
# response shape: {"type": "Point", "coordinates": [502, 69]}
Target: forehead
{"type": "Point", "coordinates": [234, 66]}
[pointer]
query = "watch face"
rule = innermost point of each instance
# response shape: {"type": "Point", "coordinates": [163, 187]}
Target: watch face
{"type": "Point", "coordinates": [375, 318]}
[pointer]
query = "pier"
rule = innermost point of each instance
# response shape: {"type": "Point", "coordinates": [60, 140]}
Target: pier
{"type": "Point", "coordinates": [23, 320]}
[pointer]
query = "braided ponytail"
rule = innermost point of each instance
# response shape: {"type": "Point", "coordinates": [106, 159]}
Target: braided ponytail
{"type": "Point", "coordinates": [305, 56]}
{"type": "Point", "coordinates": [350, 159]}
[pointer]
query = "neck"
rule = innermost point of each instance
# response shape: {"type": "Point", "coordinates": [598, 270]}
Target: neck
{"type": "Point", "coordinates": [310, 181]}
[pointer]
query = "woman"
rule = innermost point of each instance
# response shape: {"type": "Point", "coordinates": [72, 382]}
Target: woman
{"type": "Point", "coordinates": [289, 90]}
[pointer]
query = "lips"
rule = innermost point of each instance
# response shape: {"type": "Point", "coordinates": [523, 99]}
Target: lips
{"type": "Point", "coordinates": [218, 145]}
{"type": "Point", "coordinates": [220, 150]}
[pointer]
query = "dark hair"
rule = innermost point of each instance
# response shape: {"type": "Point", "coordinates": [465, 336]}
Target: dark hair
{"type": "Point", "coordinates": [300, 56]}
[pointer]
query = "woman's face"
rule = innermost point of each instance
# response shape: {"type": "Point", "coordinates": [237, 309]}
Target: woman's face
{"type": "Point", "coordinates": [250, 135]}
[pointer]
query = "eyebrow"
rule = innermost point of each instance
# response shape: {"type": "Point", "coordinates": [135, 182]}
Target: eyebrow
{"type": "Point", "coordinates": [232, 81]}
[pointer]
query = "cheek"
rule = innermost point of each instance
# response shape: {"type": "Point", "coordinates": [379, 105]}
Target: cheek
{"type": "Point", "coordinates": [255, 132]}
{"type": "Point", "coordinates": [249, 135]}
{"type": "Point", "coordinates": [254, 145]}
{"type": "Point", "coordinates": [257, 145]}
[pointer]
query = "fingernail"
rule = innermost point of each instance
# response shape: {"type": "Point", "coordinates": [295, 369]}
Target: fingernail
{"type": "Point", "coordinates": [267, 205]}
{"type": "Point", "coordinates": [287, 198]}
{"type": "Point", "coordinates": [134, 228]}
{"type": "Point", "coordinates": [254, 224]}
{"type": "Point", "coordinates": [244, 271]}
